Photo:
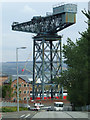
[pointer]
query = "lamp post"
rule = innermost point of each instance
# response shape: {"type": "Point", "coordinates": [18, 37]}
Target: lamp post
{"type": "Point", "coordinates": [17, 76]}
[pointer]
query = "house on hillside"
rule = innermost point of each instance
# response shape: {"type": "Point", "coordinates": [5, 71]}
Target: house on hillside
{"type": "Point", "coordinates": [25, 87]}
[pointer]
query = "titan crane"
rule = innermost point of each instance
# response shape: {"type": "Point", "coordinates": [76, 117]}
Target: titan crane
{"type": "Point", "coordinates": [47, 43]}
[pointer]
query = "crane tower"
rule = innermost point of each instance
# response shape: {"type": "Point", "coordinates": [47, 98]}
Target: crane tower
{"type": "Point", "coordinates": [47, 43]}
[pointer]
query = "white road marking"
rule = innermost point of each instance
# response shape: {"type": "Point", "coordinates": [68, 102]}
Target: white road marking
{"type": "Point", "coordinates": [27, 115]}
{"type": "Point", "coordinates": [22, 115]}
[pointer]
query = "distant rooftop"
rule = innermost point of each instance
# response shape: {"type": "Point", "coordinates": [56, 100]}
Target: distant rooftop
{"type": "Point", "coordinates": [3, 75]}
{"type": "Point", "coordinates": [14, 77]}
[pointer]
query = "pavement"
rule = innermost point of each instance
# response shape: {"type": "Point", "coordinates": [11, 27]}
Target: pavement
{"type": "Point", "coordinates": [20, 114]}
{"type": "Point", "coordinates": [60, 114]}
{"type": "Point", "coordinates": [46, 115]}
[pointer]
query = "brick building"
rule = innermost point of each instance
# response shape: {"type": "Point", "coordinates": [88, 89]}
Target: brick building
{"type": "Point", "coordinates": [25, 87]}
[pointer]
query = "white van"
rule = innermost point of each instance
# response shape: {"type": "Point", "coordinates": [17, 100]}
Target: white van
{"type": "Point", "coordinates": [58, 106]}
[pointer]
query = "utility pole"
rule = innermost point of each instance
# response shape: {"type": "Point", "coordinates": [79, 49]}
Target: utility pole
{"type": "Point", "coordinates": [17, 77]}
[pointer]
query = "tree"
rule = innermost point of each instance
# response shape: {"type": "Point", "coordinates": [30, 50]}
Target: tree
{"type": "Point", "coordinates": [0, 91]}
{"type": "Point", "coordinates": [75, 78]}
{"type": "Point", "coordinates": [7, 90]}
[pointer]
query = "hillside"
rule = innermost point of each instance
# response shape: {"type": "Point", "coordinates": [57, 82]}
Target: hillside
{"type": "Point", "coordinates": [9, 68]}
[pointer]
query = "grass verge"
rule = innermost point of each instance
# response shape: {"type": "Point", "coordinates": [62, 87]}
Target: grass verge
{"type": "Point", "coordinates": [12, 109]}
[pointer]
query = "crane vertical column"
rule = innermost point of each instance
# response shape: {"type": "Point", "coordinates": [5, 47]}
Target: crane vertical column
{"type": "Point", "coordinates": [51, 67]}
{"type": "Point", "coordinates": [61, 63]}
{"type": "Point", "coordinates": [43, 69]}
{"type": "Point", "coordinates": [33, 90]}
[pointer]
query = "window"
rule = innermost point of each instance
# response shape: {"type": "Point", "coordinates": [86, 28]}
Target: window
{"type": "Point", "coordinates": [58, 105]}
{"type": "Point", "coordinates": [24, 91]}
{"type": "Point", "coordinates": [28, 91]}
{"type": "Point", "coordinates": [19, 91]}
{"type": "Point", "coordinates": [27, 98]}
{"type": "Point", "coordinates": [19, 85]}
{"type": "Point", "coordinates": [24, 98]}
{"type": "Point", "coordinates": [24, 85]}
{"type": "Point", "coordinates": [14, 91]}
{"type": "Point", "coordinates": [14, 85]}
{"type": "Point", "coordinates": [14, 99]}
{"type": "Point", "coordinates": [20, 99]}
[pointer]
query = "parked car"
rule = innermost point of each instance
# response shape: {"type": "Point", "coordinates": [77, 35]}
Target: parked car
{"type": "Point", "coordinates": [50, 108]}
{"type": "Point", "coordinates": [34, 108]}
{"type": "Point", "coordinates": [38, 104]}
{"type": "Point", "coordinates": [27, 106]}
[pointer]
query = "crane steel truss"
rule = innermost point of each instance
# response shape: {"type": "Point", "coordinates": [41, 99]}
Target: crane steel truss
{"type": "Point", "coordinates": [47, 54]}
{"type": "Point", "coordinates": [50, 24]}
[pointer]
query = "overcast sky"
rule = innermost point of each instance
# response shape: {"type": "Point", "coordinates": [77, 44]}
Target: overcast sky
{"type": "Point", "coordinates": [24, 11]}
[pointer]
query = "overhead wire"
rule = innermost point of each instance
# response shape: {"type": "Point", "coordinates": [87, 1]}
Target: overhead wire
{"type": "Point", "coordinates": [26, 65]}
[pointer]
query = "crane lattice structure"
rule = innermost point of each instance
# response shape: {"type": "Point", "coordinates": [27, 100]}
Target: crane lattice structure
{"type": "Point", "coordinates": [47, 42]}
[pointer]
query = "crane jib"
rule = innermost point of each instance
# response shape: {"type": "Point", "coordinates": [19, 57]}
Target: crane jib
{"type": "Point", "coordinates": [62, 17]}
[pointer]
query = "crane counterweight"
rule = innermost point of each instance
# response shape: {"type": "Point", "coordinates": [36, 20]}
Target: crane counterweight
{"type": "Point", "coordinates": [66, 8]}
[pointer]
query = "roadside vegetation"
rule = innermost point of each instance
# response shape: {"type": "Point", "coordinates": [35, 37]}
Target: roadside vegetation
{"type": "Point", "coordinates": [12, 109]}
{"type": "Point", "coordinates": [7, 90]}
{"type": "Point", "coordinates": [76, 78]}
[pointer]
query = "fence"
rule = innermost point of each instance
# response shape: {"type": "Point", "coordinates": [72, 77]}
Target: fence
{"type": "Point", "coordinates": [83, 108]}
{"type": "Point", "coordinates": [10, 104]}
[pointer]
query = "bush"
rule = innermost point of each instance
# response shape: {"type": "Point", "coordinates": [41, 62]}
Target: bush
{"type": "Point", "coordinates": [12, 109]}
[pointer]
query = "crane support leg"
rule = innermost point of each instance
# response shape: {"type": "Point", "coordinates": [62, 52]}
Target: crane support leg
{"type": "Point", "coordinates": [47, 62]}
{"type": "Point", "coordinates": [33, 91]}
{"type": "Point", "coordinates": [43, 69]}
{"type": "Point", "coordinates": [51, 65]}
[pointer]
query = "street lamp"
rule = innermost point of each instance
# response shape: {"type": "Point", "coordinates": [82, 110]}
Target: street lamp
{"type": "Point", "coordinates": [17, 76]}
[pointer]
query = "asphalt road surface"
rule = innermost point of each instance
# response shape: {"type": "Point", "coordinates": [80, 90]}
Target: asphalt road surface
{"type": "Point", "coordinates": [20, 115]}
{"type": "Point", "coordinates": [51, 115]}
{"type": "Point", "coordinates": [59, 114]}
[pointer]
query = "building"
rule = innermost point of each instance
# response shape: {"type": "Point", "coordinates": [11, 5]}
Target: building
{"type": "Point", "coordinates": [3, 78]}
{"type": "Point", "coordinates": [25, 87]}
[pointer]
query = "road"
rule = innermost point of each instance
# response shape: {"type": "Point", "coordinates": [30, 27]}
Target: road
{"type": "Point", "coordinates": [59, 114]}
{"type": "Point", "coordinates": [20, 114]}
{"type": "Point", "coordinates": [55, 115]}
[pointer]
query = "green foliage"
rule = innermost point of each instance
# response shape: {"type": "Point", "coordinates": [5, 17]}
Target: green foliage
{"type": "Point", "coordinates": [1, 91]}
{"type": "Point", "coordinates": [76, 77]}
{"type": "Point", "coordinates": [4, 91]}
{"type": "Point", "coordinates": [12, 109]}
{"type": "Point", "coordinates": [7, 90]}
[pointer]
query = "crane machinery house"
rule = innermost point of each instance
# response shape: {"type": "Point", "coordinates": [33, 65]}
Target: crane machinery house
{"type": "Point", "coordinates": [68, 12]}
